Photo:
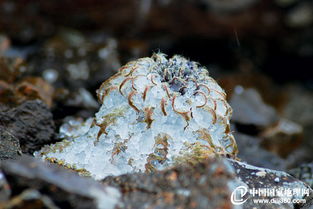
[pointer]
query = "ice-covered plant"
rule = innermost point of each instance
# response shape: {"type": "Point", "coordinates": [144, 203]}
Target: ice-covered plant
{"type": "Point", "coordinates": [155, 112]}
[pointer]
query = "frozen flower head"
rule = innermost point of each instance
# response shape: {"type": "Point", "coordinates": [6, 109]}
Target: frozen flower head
{"type": "Point", "coordinates": [155, 112]}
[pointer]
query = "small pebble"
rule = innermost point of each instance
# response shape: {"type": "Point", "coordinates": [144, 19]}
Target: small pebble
{"type": "Point", "coordinates": [261, 173]}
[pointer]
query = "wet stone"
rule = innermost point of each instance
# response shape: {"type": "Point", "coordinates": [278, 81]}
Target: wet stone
{"type": "Point", "coordinates": [6, 93]}
{"type": "Point", "coordinates": [253, 153]}
{"type": "Point", "coordinates": [75, 64]}
{"type": "Point", "coordinates": [10, 68]}
{"type": "Point", "coordinates": [300, 16]}
{"type": "Point", "coordinates": [205, 185]}
{"type": "Point", "coordinates": [53, 186]}
{"type": "Point", "coordinates": [31, 123]}
{"type": "Point", "coordinates": [250, 109]}
{"type": "Point", "coordinates": [263, 178]}
{"type": "Point", "coordinates": [82, 98]}
{"type": "Point", "coordinates": [16, 87]}
{"type": "Point", "coordinates": [72, 60]}
{"type": "Point", "coordinates": [283, 137]}
{"type": "Point", "coordinates": [9, 145]}
{"type": "Point", "coordinates": [299, 110]}
{"type": "Point", "coordinates": [29, 199]}
{"type": "Point", "coordinates": [304, 172]}
{"type": "Point", "coordinates": [31, 88]}
{"type": "Point", "coordinates": [301, 155]}
{"type": "Point", "coordinates": [5, 190]}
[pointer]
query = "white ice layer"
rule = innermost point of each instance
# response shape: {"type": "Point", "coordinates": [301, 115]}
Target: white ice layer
{"type": "Point", "coordinates": [153, 111]}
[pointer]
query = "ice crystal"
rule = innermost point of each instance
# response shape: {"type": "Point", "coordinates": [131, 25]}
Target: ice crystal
{"type": "Point", "coordinates": [155, 112]}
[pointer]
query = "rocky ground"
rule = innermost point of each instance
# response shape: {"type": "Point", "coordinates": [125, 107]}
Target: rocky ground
{"type": "Point", "coordinates": [53, 58]}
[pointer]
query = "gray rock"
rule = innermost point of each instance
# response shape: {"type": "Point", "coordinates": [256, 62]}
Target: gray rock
{"type": "Point", "coordinates": [9, 145]}
{"type": "Point", "coordinates": [304, 173]}
{"type": "Point", "coordinates": [206, 185]}
{"type": "Point", "coordinates": [250, 109]}
{"type": "Point", "coordinates": [65, 189]}
{"type": "Point", "coordinates": [5, 190]}
{"type": "Point", "coordinates": [29, 199]}
{"type": "Point", "coordinates": [31, 123]}
{"type": "Point", "coordinates": [262, 179]}
{"type": "Point", "coordinates": [210, 184]}
{"type": "Point", "coordinates": [251, 152]}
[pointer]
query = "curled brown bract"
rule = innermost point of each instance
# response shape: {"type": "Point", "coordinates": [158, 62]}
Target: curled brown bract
{"type": "Point", "coordinates": [163, 103]}
{"type": "Point", "coordinates": [133, 69]}
{"type": "Point", "coordinates": [148, 116]}
{"type": "Point", "coordinates": [123, 83]}
{"type": "Point", "coordinates": [193, 80]}
{"type": "Point", "coordinates": [205, 86]}
{"type": "Point", "coordinates": [144, 95]}
{"type": "Point", "coordinates": [209, 109]}
{"type": "Point", "coordinates": [102, 130]}
{"type": "Point", "coordinates": [205, 98]}
{"type": "Point", "coordinates": [225, 105]}
{"type": "Point", "coordinates": [134, 79]}
{"type": "Point", "coordinates": [232, 145]}
{"type": "Point", "coordinates": [181, 72]}
{"type": "Point", "coordinates": [152, 80]}
{"type": "Point", "coordinates": [179, 79]}
{"type": "Point", "coordinates": [130, 102]}
{"type": "Point", "coordinates": [101, 95]}
{"type": "Point", "coordinates": [186, 115]}
{"type": "Point", "coordinates": [223, 95]}
{"type": "Point", "coordinates": [121, 69]}
{"type": "Point", "coordinates": [166, 73]}
{"type": "Point", "coordinates": [166, 90]}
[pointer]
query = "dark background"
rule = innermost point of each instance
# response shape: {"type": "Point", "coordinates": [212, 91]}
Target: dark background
{"type": "Point", "coordinates": [276, 37]}
{"type": "Point", "coordinates": [264, 45]}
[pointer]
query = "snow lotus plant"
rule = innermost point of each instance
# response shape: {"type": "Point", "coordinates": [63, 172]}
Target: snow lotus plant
{"type": "Point", "coordinates": [155, 112]}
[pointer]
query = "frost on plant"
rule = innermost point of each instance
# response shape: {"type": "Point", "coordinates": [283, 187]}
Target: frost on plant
{"type": "Point", "coordinates": [155, 112]}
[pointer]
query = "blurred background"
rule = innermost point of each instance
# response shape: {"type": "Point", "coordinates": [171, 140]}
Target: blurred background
{"type": "Point", "coordinates": [261, 52]}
